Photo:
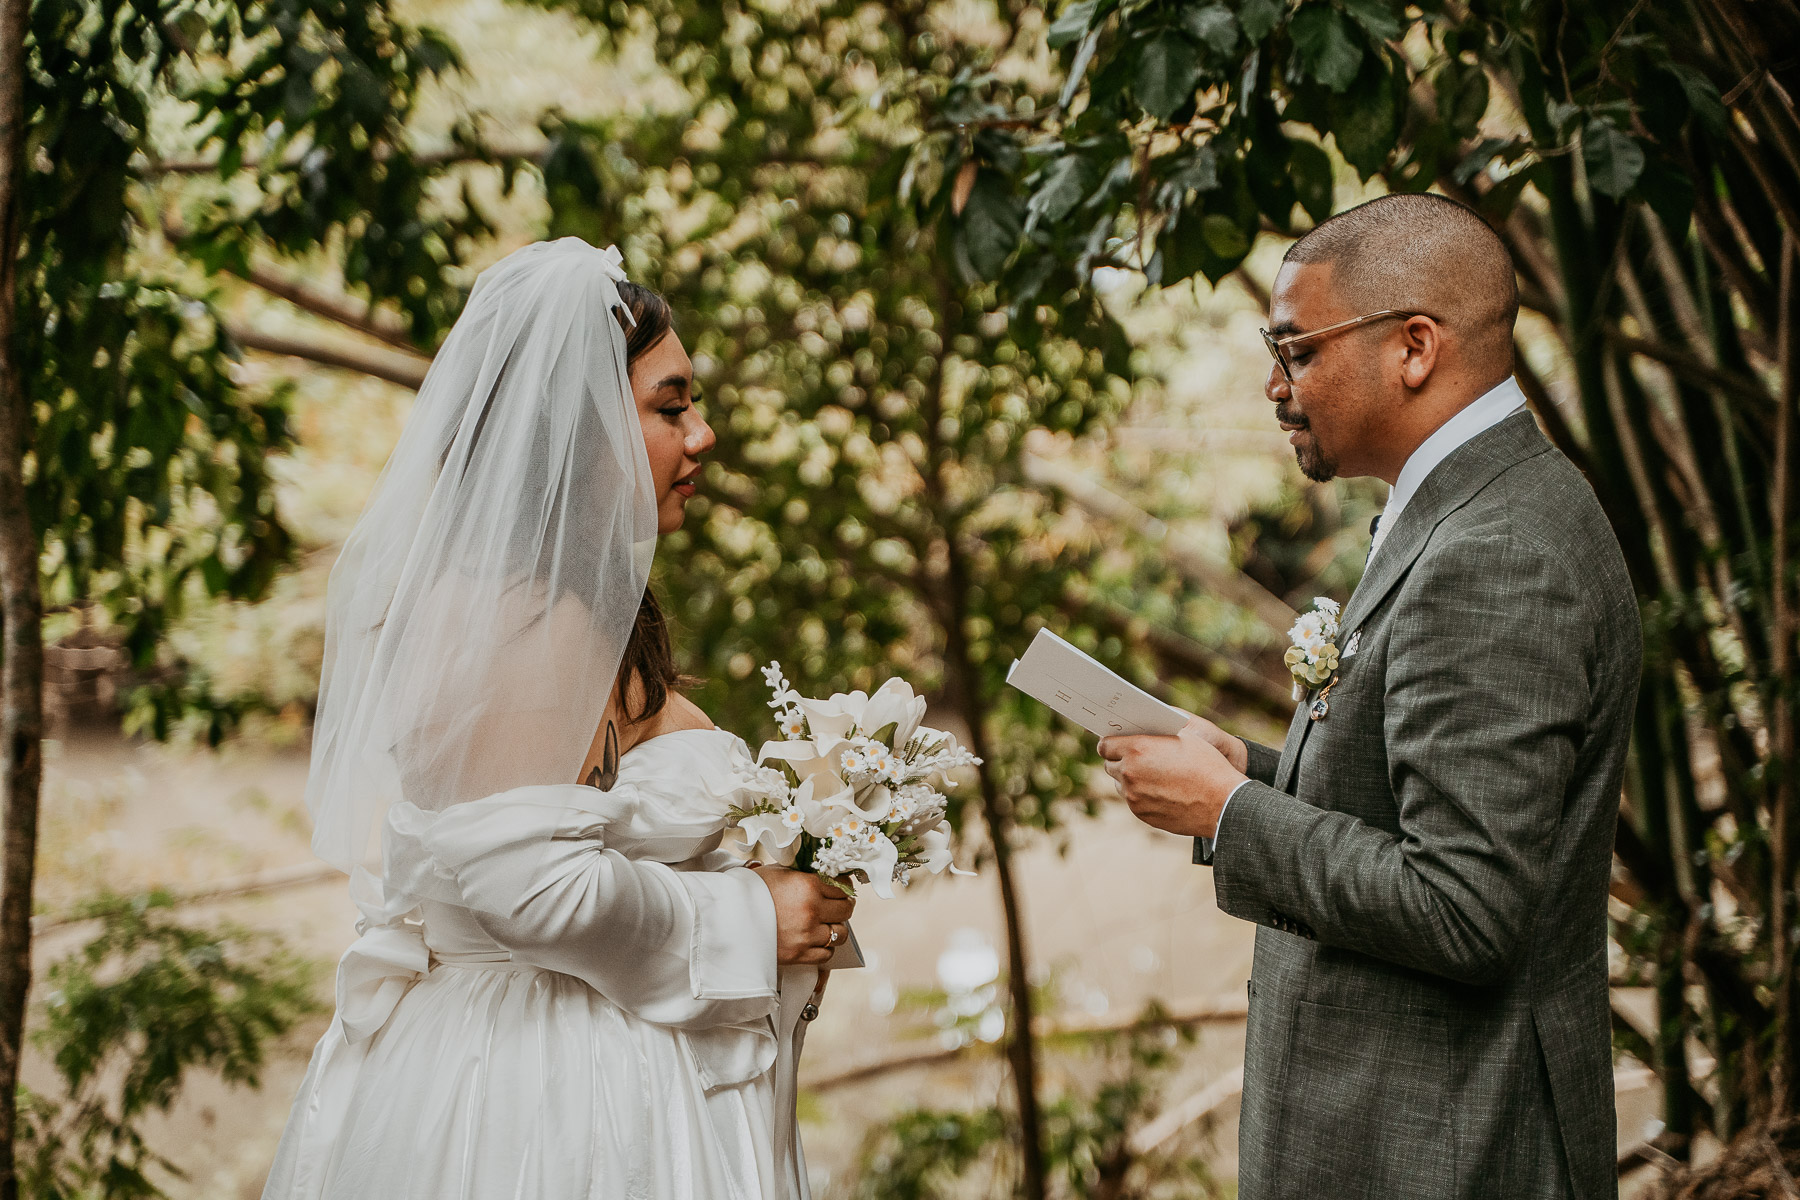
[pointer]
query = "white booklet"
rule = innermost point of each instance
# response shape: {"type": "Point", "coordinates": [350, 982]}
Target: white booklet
{"type": "Point", "coordinates": [1081, 689]}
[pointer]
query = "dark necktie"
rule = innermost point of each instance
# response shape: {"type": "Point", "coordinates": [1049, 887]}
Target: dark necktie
{"type": "Point", "coordinates": [1374, 524]}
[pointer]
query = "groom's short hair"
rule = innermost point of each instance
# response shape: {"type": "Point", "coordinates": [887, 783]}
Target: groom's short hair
{"type": "Point", "coordinates": [1420, 252]}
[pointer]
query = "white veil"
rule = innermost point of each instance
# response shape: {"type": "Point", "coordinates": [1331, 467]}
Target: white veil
{"type": "Point", "coordinates": [478, 615]}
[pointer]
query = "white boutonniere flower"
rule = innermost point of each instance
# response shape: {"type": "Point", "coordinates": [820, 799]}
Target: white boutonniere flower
{"type": "Point", "coordinates": [1314, 655]}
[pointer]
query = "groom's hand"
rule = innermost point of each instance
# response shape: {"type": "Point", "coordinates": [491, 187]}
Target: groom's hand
{"type": "Point", "coordinates": [1178, 784]}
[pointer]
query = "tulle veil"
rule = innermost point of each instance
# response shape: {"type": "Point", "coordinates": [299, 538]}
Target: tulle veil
{"type": "Point", "coordinates": [479, 611]}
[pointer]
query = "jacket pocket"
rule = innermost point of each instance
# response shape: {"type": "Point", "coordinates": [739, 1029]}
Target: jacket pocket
{"type": "Point", "coordinates": [1366, 1106]}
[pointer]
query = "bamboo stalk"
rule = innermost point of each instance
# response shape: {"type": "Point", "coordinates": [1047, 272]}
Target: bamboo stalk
{"type": "Point", "coordinates": [1781, 729]}
{"type": "Point", "coordinates": [22, 671]}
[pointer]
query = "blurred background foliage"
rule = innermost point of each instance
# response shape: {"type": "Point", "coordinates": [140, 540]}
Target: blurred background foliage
{"type": "Point", "coordinates": [884, 496]}
{"type": "Point", "coordinates": [126, 1020]}
{"type": "Point", "coordinates": [954, 274]}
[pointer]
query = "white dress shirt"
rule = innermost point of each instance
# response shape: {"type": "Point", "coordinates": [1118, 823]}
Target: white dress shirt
{"type": "Point", "coordinates": [1477, 417]}
{"type": "Point", "coordinates": [1480, 415]}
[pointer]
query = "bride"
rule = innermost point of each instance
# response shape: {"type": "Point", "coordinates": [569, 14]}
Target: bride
{"type": "Point", "coordinates": [563, 988]}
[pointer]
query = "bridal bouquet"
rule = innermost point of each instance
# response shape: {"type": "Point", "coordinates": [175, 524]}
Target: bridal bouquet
{"type": "Point", "coordinates": [856, 796]}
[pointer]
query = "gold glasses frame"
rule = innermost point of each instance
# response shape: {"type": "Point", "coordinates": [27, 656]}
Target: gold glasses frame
{"type": "Point", "coordinates": [1278, 346]}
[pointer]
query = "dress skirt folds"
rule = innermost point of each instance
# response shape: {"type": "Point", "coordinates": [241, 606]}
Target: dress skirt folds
{"type": "Point", "coordinates": [599, 1017]}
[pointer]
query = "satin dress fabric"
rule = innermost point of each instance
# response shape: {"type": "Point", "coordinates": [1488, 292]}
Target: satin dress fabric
{"type": "Point", "coordinates": [623, 1032]}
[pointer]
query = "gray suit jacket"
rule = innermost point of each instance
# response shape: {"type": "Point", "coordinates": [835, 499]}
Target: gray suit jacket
{"type": "Point", "coordinates": [1429, 862]}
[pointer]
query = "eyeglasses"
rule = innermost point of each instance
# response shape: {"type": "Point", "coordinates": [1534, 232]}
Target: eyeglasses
{"type": "Point", "coordinates": [1278, 346]}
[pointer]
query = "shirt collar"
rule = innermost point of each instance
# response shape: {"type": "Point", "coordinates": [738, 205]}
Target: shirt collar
{"type": "Point", "coordinates": [1476, 418]}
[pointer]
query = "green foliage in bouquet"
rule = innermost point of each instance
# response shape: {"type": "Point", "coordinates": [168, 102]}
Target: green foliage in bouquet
{"type": "Point", "coordinates": [126, 1020]}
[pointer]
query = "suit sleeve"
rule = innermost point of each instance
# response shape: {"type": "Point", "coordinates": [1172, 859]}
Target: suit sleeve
{"type": "Point", "coordinates": [1263, 761]}
{"type": "Point", "coordinates": [1488, 685]}
{"type": "Point", "coordinates": [1261, 765]}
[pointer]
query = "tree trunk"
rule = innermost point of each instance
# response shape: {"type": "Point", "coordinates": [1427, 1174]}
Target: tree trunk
{"type": "Point", "coordinates": [21, 672]}
{"type": "Point", "coordinates": [963, 677]}
{"type": "Point", "coordinates": [1021, 1043]}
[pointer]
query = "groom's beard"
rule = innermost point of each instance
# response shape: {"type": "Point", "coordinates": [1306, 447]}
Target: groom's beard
{"type": "Point", "coordinates": [1315, 464]}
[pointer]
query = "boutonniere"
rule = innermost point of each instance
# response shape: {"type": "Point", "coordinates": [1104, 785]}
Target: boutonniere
{"type": "Point", "coordinates": [1314, 655]}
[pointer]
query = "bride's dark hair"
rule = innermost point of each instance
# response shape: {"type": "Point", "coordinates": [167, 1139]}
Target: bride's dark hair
{"type": "Point", "coordinates": [649, 658]}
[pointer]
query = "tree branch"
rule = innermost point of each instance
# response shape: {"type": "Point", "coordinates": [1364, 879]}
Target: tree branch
{"type": "Point", "coordinates": [340, 309]}
{"type": "Point", "coordinates": [1544, 404]}
{"type": "Point", "coordinates": [1195, 565]}
{"type": "Point", "coordinates": [1692, 368]}
{"type": "Point", "coordinates": [406, 374]}
{"type": "Point", "coordinates": [434, 158]}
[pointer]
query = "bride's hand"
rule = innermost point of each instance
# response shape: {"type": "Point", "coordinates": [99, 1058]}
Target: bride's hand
{"type": "Point", "coordinates": [808, 911]}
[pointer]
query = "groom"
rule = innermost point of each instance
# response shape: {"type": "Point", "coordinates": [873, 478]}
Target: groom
{"type": "Point", "coordinates": [1427, 856]}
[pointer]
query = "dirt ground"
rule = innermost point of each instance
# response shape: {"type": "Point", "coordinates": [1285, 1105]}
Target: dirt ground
{"type": "Point", "coordinates": [1117, 917]}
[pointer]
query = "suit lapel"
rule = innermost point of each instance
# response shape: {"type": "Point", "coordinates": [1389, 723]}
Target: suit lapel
{"type": "Point", "coordinates": [1468, 469]}
{"type": "Point", "coordinates": [1290, 749]}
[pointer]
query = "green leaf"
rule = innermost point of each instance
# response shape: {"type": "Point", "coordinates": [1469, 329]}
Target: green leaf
{"type": "Point", "coordinates": [1028, 277]}
{"type": "Point", "coordinates": [1065, 181]}
{"type": "Point", "coordinates": [1365, 119]}
{"type": "Point", "coordinates": [1266, 173]}
{"type": "Point", "coordinates": [1260, 17]}
{"type": "Point", "coordinates": [298, 98]}
{"type": "Point", "coordinates": [1223, 237]}
{"type": "Point", "coordinates": [1462, 97]}
{"type": "Point", "coordinates": [1168, 69]}
{"type": "Point", "coordinates": [1196, 170]}
{"type": "Point", "coordinates": [1180, 252]}
{"type": "Point", "coordinates": [1613, 158]}
{"type": "Point", "coordinates": [1702, 96]}
{"type": "Point", "coordinates": [1326, 48]}
{"type": "Point", "coordinates": [1379, 17]}
{"type": "Point", "coordinates": [1213, 27]}
{"type": "Point", "coordinates": [989, 228]}
{"type": "Point", "coordinates": [1670, 194]}
{"type": "Point", "coordinates": [1310, 167]}
{"type": "Point", "coordinates": [1072, 25]}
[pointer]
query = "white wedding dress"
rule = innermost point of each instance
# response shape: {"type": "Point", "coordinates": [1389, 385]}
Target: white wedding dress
{"type": "Point", "coordinates": [624, 1034]}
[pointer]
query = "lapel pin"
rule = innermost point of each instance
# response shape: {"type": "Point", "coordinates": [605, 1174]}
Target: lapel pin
{"type": "Point", "coordinates": [1321, 705]}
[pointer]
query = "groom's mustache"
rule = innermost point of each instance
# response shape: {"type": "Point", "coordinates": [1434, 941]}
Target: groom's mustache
{"type": "Point", "coordinates": [1288, 416]}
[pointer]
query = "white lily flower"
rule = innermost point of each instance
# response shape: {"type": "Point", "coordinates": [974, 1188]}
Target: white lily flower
{"type": "Point", "coordinates": [833, 719]}
{"type": "Point", "coordinates": [934, 853]}
{"type": "Point", "coordinates": [876, 858]}
{"type": "Point", "coordinates": [873, 802]}
{"type": "Point", "coordinates": [770, 837]}
{"type": "Point", "coordinates": [823, 802]}
{"type": "Point", "coordinates": [893, 703]}
{"type": "Point", "coordinates": [804, 757]}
